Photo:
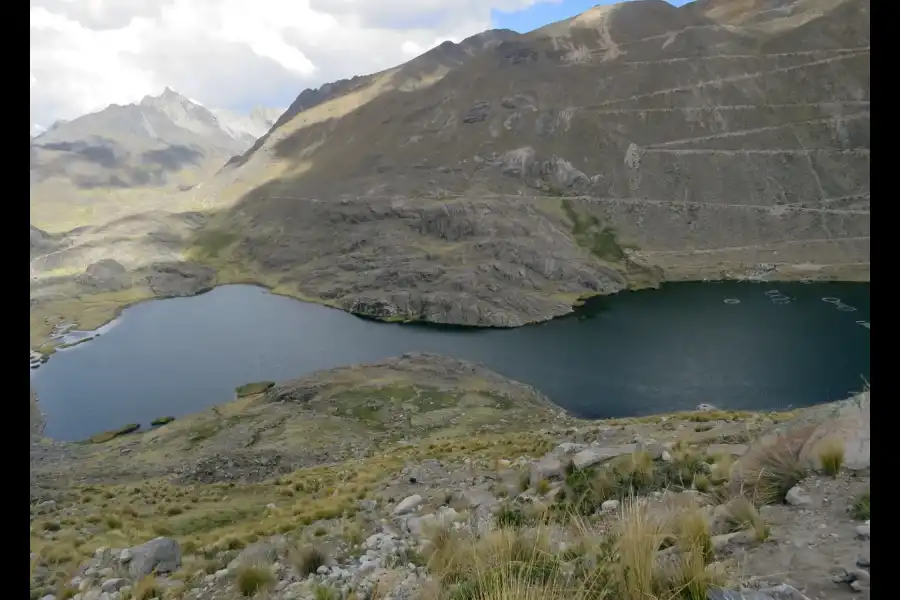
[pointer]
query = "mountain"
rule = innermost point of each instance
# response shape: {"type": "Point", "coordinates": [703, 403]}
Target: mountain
{"type": "Point", "coordinates": [247, 128]}
{"type": "Point", "coordinates": [162, 142]}
{"type": "Point", "coordinates": [501, 180]}
{"type": "Point", "coordinates": [497, 180]}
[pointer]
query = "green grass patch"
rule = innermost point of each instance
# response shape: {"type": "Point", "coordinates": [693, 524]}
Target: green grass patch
{"type": "Point", "coordinates": [48, 349]}
{"type": "Point", "coordinates": [211, 242]}
{"type": "Point", "coordinates": [159, 421]}
{"type": "Point", "coordinates": [860, 508]}
{"type": "Point", "coordinates": [591, 234]}
{"type": "Point", "coordinates": [250, 389]}
{"type": "Point", "coordinates": [106, 436]}
{"type": "Point", "coordinates": [377, 404]}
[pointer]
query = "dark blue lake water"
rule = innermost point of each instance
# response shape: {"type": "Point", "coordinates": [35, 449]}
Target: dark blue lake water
{"type": "Point", "coordinates": [734, 345]}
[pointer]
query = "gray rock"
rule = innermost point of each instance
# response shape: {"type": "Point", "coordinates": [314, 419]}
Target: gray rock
{"type": "Point", "coordinates": [610, 506]}
{"type": "Point", "coordinates": [102, 554]}
{"type": "Point", "coordinates": [161, 555]}
{"type": "Point", "coordinates": [784, 592]}
{"type": "Point", "coordinates": [477, 497]}
{"type": "Point", "coordinates": [654, 449]}
{"type": "Point", "coordinates": [738, 538]}
{"type": "Point", "coordinates": [567, 448]}
{"type": "Point", "coordinates": [796, 497]}
{"type": "Point", "coordinates": [592, 456]}
{"type": "Point", "coordinates": [477, 112]}
{"type": "Point", "coordinates": [112, 585]}
{"type": "Point", "coordinates": [49, 597]}
{"type": "Point", "coordinates": [550, 467]}
{"type": "Point", "coordinates": [104, 275]}
{"type": "Point", "coordinates": [408, 504]}
{"type": "Point", "coordinates": [126, 555]}
{"type": "Point", "coordinates": [170, 279]}
{"type": "Point", "coordinates": [367, 505]}
{"type": "Point", "coordinates": [732, 449]}
{"type": "Point", "coordinates": [418, 525]}
{"type": "Point", "coordinates": [862, 532]}
{"type": "Point", "coordinates": [723, 594]}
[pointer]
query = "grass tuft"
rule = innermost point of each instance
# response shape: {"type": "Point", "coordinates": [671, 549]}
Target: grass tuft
{"type": "Point", "coordinates": [542, 487]}
{"type": "Point", "coordinates": [831, 455]}
{"type": "Point", "coordinates": [860, 508]}
{"type": "Point", "coordinates": [772, 472]}
{"type": "Point", "coordinates": [147, 588]}
{"type": "Point", "coordinates": [641, 534]}
{"type": "Point", "coordinates": [307, 560]}
{"type": "Point", "coordinates": [743, 515]}
{"type": "Point", "coordinates": [701, 482]}
{"type": "Point", "coordinates": [252, 579]}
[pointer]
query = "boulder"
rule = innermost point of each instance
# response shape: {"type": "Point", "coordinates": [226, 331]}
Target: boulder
{"type": "Point", "coordinates": [550, 467]}
{"type": "Point", "coordinates": [796, 497]}
{"type": "Point", "coordinates": [408, 504]}
{"type": "Point", "coordinates": [160, 555]}
{"type": "Point", "coordinates": [592, 456]}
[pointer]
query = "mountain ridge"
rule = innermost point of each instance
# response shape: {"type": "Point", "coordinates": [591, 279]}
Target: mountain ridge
{"type": "Point", "coordinates": [500, 181]}
{"type": "Point", "coordinates": [126, 158]}
{"type": "Point", "coordinates": [683, 144]}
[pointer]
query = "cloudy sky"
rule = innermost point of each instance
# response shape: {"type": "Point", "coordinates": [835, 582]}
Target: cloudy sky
{"type": "Point", "coordinates": [236, 54]}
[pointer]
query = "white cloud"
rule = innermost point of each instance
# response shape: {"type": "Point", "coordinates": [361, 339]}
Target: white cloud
{"type": "Point", "coordinates": [86, 54]}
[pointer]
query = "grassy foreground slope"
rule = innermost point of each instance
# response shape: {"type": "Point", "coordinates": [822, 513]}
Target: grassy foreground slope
{"type": "Point", "coordinates": [425, 477]}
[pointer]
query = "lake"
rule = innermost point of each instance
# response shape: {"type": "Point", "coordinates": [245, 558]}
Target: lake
{"type": "Point", "coordinates": [734, 345]}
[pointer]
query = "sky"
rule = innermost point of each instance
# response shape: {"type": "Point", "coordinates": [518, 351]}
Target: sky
{"type": "Point", "coordinates": [237, 54]}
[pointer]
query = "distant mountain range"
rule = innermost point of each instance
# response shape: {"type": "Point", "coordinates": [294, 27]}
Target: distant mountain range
{"type": "Point", "coordinates": [165, 140]}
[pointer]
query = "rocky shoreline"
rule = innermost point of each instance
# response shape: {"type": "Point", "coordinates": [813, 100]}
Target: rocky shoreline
{"type": "Point", "coordinates": [394, 313]}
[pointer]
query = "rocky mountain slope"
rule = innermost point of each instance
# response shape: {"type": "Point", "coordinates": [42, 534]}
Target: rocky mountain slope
{"type": "Point", "coordinates": [161, 144]}
{"type": "Point", "coordinates": [368, 482]}
{"type": "Point", "coordinates": [495, 181]}
{"type": "Point", "coordinates": [501, 180]}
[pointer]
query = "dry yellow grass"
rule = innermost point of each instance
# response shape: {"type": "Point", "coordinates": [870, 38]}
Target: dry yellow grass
{"type": "Point", "coordinates": [147, 588]}
{"type": "Point", "coordinates": [743, 515]}
{"type": "Point", "coordinates": [252, 579]}
{"type": "Point", "coordinates": [768, 474]}
{"type": "Point", "coordinates": [831, 455]}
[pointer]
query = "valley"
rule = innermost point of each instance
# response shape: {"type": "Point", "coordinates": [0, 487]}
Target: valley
{"type": "Point", "coordinates": [584, 314]}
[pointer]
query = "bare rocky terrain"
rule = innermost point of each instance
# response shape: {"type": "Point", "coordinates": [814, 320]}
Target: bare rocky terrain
{"type": "Point", "coordinates": [500, 180]}
{"type": "Point", "coordinates": [380, 480]}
